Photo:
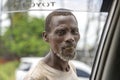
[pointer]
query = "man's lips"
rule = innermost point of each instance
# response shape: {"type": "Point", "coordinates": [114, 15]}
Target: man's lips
{"type": "Point", "coordinates": [69, 48]}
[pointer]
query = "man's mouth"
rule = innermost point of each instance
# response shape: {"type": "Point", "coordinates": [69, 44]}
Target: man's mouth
{"type": "Point", "coordinates": [69, 48]}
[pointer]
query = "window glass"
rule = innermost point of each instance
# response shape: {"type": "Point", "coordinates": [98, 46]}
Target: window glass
{"type": "Point", "coordinates": [22, 24]}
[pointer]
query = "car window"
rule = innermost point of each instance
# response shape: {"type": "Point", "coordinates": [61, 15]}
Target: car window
{"type": "Point", "coordinates": [22, 24]}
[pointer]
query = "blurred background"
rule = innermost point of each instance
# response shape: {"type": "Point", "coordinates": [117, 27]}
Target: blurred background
{"type": "Point", "coordinates": [22, 24]}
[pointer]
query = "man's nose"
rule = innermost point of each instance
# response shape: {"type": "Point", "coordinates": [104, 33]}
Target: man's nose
{"type": "Point", "coordinates": [69, 38]}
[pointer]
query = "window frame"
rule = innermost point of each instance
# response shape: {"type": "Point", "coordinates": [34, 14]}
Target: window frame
{"type": "Point", "coordinates": [104, 55]}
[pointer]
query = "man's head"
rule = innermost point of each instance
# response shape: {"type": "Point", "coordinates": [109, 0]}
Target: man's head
{"type": "Point", "coordinates": [61, 32]}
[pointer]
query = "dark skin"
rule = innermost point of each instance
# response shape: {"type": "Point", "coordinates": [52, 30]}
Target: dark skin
{"type": "Point", "coordinates": [63, 38]}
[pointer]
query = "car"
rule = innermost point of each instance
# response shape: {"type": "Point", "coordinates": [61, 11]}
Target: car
{"type": "Point", "coordinates": [26, 63]}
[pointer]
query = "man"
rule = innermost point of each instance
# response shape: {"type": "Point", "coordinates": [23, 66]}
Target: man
{"type": "Point", "coordinates": [61, 32]}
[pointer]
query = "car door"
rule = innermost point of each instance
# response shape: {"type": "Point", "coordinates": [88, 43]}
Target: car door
{"type": "Point", "coordinates": [107, 61]}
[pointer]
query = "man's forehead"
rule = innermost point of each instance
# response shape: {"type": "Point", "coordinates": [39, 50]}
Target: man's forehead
{"type": "Point", "coordinates": [61, 26]}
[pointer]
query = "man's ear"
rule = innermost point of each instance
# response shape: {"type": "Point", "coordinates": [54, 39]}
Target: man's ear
{"type": "Point", "coordinates": [45, 36]}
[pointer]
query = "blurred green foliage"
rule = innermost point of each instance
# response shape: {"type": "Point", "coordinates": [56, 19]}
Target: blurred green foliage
{"type": "Point", "coordinates": [7, 70]}
{"type": "Point", "coordinates": [24, 36]}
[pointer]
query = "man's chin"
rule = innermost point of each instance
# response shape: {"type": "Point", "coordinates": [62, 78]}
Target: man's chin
{"type": "Point", "coordinates": [66, 58]}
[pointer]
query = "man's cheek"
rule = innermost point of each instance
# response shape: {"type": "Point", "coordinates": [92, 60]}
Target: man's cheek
{"type": "Point", "coordinates": [54, 46]}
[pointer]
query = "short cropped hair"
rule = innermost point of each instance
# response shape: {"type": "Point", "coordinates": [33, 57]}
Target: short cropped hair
{"type": "Point", "coordinates": [57, 12]}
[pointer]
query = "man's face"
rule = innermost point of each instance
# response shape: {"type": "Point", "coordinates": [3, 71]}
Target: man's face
{"type": "Point", "coordinates": [63, 36]}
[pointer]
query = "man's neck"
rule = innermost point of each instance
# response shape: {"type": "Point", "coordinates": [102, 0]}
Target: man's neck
{"type": "Point", "coordinates": [55, 62]}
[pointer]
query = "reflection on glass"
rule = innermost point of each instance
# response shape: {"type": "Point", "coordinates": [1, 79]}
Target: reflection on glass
{"type": "Point", "coordinates": [22, 24]}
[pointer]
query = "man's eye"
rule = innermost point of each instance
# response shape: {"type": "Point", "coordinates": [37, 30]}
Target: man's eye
{"type": "Point", "coordinates": [61, 32]}
{"type": "Point", "coordinates": [74, 32]}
